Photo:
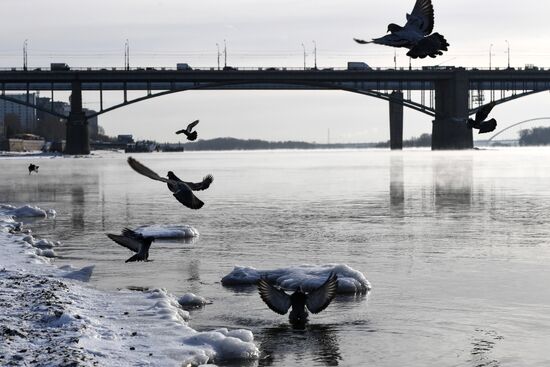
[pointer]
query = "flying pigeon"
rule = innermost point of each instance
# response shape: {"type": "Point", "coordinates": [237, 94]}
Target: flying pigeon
{"type": "Point", "coordinates": [135, 242]}
{"type": "Point", "coordinates": [182, 192]}
{"type": "Point", "coordinates": [187, 131]}
{"type": "Point", "coordinates": [480, 122]}
{"type": "Point", "coordinates": [195, 186]}
{"type": "Point", "coordinates": [33, 168]}
{"type": "Point", "coordinates": [416, 35]}
{"type": "Point", "coordinates": [315, 301]}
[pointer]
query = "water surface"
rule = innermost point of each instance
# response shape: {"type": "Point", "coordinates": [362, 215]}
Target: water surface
{"type": "Point", "coordinates": [455, 245]}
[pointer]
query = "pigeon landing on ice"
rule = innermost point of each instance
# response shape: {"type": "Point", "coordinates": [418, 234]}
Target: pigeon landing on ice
{"type": "Point", "coordinates": [416, 35]}
{"type": "Point", "coordinates": [315, 301]}
{"type": "Point", "coordinates": [33, 168]}
{"type": "Point", "coordinates": [134, 241]}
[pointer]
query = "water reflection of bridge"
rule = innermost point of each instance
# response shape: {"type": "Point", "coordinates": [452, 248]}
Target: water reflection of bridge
{"type": "Point", "coordinates": [445, 94]}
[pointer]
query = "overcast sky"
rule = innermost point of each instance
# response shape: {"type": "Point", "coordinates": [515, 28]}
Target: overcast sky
{"type": "Point", "coordinates": [269, 33]}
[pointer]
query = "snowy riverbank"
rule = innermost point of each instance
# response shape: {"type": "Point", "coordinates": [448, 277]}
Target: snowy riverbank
{"type": "Point", "coordinates": [50, 317]}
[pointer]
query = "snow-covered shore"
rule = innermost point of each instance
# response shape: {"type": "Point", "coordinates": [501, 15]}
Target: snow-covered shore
{"type": "Point", "coordinates": [48, 316]}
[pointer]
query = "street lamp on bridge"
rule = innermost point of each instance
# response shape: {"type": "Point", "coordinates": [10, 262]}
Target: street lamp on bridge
{"type": "Point", "coordinates": [304, 48]}
{"type": "Point", "coordinates": [490, 56]}
{"type": "Point", "coordinates": [314, 55]}
{"type": "Point", "coordinates": [218, 47]}
{"type": "Point", "coordinates": [224, 53]}
{"type": "Point", "coordinates": [25, 55]}
{"type": "Point", "coordinates": [508, 43]}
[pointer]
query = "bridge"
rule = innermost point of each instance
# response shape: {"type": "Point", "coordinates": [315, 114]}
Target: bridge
{"type": "Point", "coordinates": [448, 95]}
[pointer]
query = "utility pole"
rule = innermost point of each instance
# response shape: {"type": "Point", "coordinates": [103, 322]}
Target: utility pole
{"type": "Point", "coordinates": [224, 53]}
{"type": "Point", "coordinates": [314, 55]}
{"type": "Point", "coordinates": [304, 47]}
{"type": "Point", "coordinates": [218, 47]}
{"type": "Point", "coordinates": [25, 55]}
{"type": "Point", "coordinates": [491, 56]}
{"type": "Point", "coordinates": [395, 59]}
{"type": "Point", "coordinates": [508, 43]}
{"type": "Point", "coordinates": [410, 63]}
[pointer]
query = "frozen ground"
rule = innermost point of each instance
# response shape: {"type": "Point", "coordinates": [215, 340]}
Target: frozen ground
{"type": "Point", "coordinates": [50, 317]}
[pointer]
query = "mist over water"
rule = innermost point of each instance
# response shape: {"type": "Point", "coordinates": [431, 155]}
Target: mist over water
{"type": "Point", "coordinates": [455, 245]}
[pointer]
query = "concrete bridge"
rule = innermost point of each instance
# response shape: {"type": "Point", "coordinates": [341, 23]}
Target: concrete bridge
{"type": "Point", "coordinates": [447, 94]}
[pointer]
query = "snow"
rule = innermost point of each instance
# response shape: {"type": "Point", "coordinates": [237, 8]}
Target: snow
{"type": "Point", "coordinates": [22, 212]}
{"type": "Point", "coordinates": [190, 300]}
{"type": "Point", "coordinates": [49, 317]}
{"type": "Point", "coordinates": [168, 231]}
{"type": "Point", "coordinates": [306, 276]}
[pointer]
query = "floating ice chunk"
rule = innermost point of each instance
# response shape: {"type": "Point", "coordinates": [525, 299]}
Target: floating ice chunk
{"type": "Point", "coordinates": [44, 244]}
{"type": "Point", "coordinates": [306, 276]}
{"type": "Point", "coordinates": [49, 253]}
{"type": "Point", "coordinates": [219, 346]}
{"type": "Point", "coordinates": [190, 300]}
{"type": "Point", "coordinates": [82, 275]}
{"type": "Point", "coordinates": [24, 211]}
{"type": "Point", "coordinates": [168, 231]}
{"type": "Point", "coordinates": [51, 213]}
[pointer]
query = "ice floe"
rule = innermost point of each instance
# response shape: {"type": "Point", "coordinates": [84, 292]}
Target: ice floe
{"type": "Point", "coordinates": [168, 231]}
{"type": "Point", "coordinates": [55, 319]}
{"type": "Point", "coordinates": [190, 300]}
{"type": "Point", "coordinates": [306, 276]}
{"type": "Point", "coordinates": [25, 211]}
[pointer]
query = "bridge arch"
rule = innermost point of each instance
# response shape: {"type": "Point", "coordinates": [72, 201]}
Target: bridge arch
{"type": "Point", "coordinates": [516, 124]}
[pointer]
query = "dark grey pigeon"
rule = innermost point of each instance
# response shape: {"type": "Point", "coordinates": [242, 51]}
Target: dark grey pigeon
{"type": "Point", "coordinates": [33, 168]}
{"type": "Point", "coordinates": [416, 35]}
{"type": "Point", "coordinates": [134, 241]}
{"type": "Point", "coordinates": [182, 192]}
{"type": "Point", "coordinates": [195, 186]}
{"type": "Point", "coordinates": [480, 122]}
{"type": "Point", "coordinates": [315, 301]}
{"type": "Point", "coordinates": [187, 131]}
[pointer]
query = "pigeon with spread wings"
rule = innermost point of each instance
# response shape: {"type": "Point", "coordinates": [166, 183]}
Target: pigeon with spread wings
{"type": "Point", "coordinates": [315, 301]}
{"type": "Point", "coordinates": [416, 35]}
{"type": "Point", "coordinates": [191, 135]}
{"type": "Point", "coordinates": [480, 122]}
{"type": "Point", "coordinates": [182, 192]}
{"type": "Point", "coordinates": [135, 242]}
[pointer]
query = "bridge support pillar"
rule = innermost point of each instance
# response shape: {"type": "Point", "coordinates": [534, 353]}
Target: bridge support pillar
{"type": "Point", "coordinates": [449, 130]}
{"type": "Point", "coordinates": [78, 136]}
{"type": "Point", "coordinates": [396, 120]}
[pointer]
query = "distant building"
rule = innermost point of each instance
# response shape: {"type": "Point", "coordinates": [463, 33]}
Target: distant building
{"type": "Point", "coordinates": [26, 115]}
{"type": "Point", "coordinates": [64, 108]}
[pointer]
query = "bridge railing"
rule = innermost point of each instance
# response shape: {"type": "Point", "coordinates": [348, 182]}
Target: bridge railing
{"type": "Point", "coordinates": [262, 68]}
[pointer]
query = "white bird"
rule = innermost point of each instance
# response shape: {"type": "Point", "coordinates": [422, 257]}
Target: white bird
{"type": "Point", "coordinates": [416, 35]}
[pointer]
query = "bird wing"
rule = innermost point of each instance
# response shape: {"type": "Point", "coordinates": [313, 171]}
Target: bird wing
{"type": "Point", "coordinates": [141, 169]}
{"type": "Point", "coordinates": [320, 298]}
{"type": "Point", "coordinates": [192, 125]}
{"type": "Point", "coordinates": [274, 298]}
{"type": "Point", "coordinates": [484, 112]}
{"type": "Point", "coordinates": [128, 242]}
{"type": "Point", "coordinates": [421, 17]}
{"type": "Point", "coordinates": [398, 39]}
{"type": "Point", "coordinates": [127, 232]}
{"type": "Point", "coordinates": [186, 196]}
{"type": "Point", "coordinates": [361, 42]}
{"type": "Point", "coordinates": [203, 185]}
{"type": "Point", "coordinates": [488, 126]}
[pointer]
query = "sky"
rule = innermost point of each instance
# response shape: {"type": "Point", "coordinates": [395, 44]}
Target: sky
{"type": "Point", "coordinates": [269, 33]}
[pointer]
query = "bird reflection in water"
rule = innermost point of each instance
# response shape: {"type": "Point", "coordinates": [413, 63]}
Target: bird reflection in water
{"type": "Point", "coordinates": [320, 341]}
{"type": "Point", "coordinates": [397, 186]}
{"type": "Point", "coordinates": [453, 181]}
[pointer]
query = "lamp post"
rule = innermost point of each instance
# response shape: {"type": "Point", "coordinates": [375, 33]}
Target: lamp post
{"type": "Point", "coordinates": [218, 47]}
{"type": "Point", "coordinates": [491, 56]}
{"type": "Point", "coordinates": [314, 55]}
{"type": "Point", "coordinates": [25, 55]}
{"type": "Point", "coordinates": [224, 53]}
{"type": "Point", "coordinates": [304, 48]}
{"type": "Point", "coordinates": [508, 43]}
{"type": "Point", "coordinates": [127, 55]}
